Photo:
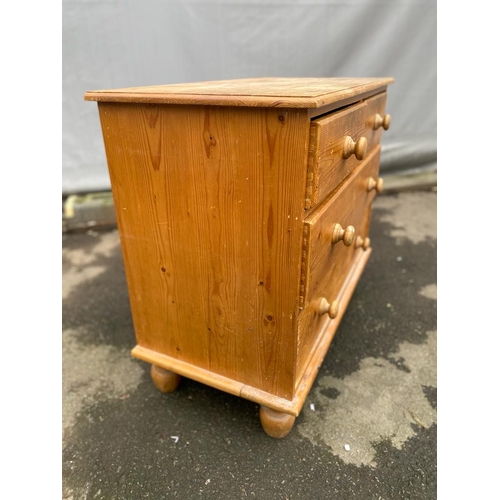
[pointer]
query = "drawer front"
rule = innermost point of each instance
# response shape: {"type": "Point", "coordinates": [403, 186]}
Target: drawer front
{"type": "Point", "coordinates": [326, 265]}
{"type": "Point", "coordinates": [351, 131]}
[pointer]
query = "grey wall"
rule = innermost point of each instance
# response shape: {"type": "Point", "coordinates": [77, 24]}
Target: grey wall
{"type": "Point", "coordinates": [126, 43]}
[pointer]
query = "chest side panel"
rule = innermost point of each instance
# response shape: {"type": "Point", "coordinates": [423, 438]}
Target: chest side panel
{"type": "Point", "coordinates": [209, 204]}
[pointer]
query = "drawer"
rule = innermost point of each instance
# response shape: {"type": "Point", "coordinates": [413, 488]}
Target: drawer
{"type": "Point", "coordinates": [353, 131]}
{"type": "Point", "coordinates": [326, 265]}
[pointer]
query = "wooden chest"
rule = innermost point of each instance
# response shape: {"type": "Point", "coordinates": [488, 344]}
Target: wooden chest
{"type": "Point", "coordinates": [243, 208]}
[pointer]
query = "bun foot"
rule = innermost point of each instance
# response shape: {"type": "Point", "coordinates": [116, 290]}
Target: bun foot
{"type": "Point", "coordinates": [164, 380]}
{"type": "Point", "coordinates": [275, 423]}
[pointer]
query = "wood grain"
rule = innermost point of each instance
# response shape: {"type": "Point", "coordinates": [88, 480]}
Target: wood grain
{"type": "Point", "coordinates": [209, 206]}
{"type": "Point", "coordinates": [327, 166]}
{"type": "Point", "coordinates": [260, 92]}
{"type": "Point", "coordinates": [327, 265]}
{"type": "Point", "coordinates": [304, 384]}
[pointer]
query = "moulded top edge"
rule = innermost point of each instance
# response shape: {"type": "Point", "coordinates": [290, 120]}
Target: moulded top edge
{"type": "Point", "coordinates": [258, 92]}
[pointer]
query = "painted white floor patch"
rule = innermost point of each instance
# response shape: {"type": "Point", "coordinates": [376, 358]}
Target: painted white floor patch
{"type": "Point", "coordinates": [377, 402]}
{"type": "Point", "coordinates": [429, 291]}
{"type": "Point", "coordinates": [412, 216]}
{"type": "Point", "coordinates": [80, 260]}
{"type": "Point", "coordinates": [91, 371]}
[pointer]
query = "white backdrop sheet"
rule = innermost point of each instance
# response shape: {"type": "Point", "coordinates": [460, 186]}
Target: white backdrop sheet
{"type": "Point", "coordinates": [114, 43]}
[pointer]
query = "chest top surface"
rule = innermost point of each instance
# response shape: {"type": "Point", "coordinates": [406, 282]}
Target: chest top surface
{"type": "Point", "coordinates": [255, 92]}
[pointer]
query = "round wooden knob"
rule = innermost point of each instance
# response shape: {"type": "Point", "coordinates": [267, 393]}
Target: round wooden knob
{"type": "Point", "coordinates": [340, 234]}
{"type": "Point", "coordinates": [384, 122]}
{"type": "Point", "coordinates": [362, 242]}
{"type": "Point", "coordinates": [378, 184]}
{"type": "Point", "coordinates": [325, 307]}
{"type": "Point", "coordinates": [357, 148]}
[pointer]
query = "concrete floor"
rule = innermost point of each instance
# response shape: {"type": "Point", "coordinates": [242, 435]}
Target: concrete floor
{"type": "Point", "coordinates": [376, 390]}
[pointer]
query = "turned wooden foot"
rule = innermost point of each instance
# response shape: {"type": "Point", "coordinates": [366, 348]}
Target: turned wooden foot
{"type": "Point", "coordinates": [164, 380]}
{"type": "Point", "coordinates": [275, 423]}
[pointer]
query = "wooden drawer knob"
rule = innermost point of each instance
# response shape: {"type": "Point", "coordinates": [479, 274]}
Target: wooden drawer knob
{"type": "Point", "coordinates": [358, 148]}
{"type": "Point", "coordinates": [340, 234]}
{"type": "Point", "coordinates": [378, 122]}
{"type": "Point", "coordinates": [378, 184]}
{"type": "Point", "coordinates": [362, 242]}
{"type": "Point", "coordinates": [325, 307]}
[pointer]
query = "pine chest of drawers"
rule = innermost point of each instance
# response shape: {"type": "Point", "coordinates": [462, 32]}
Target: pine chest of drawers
{"type": "Point", "coordinates": [243, 208]}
